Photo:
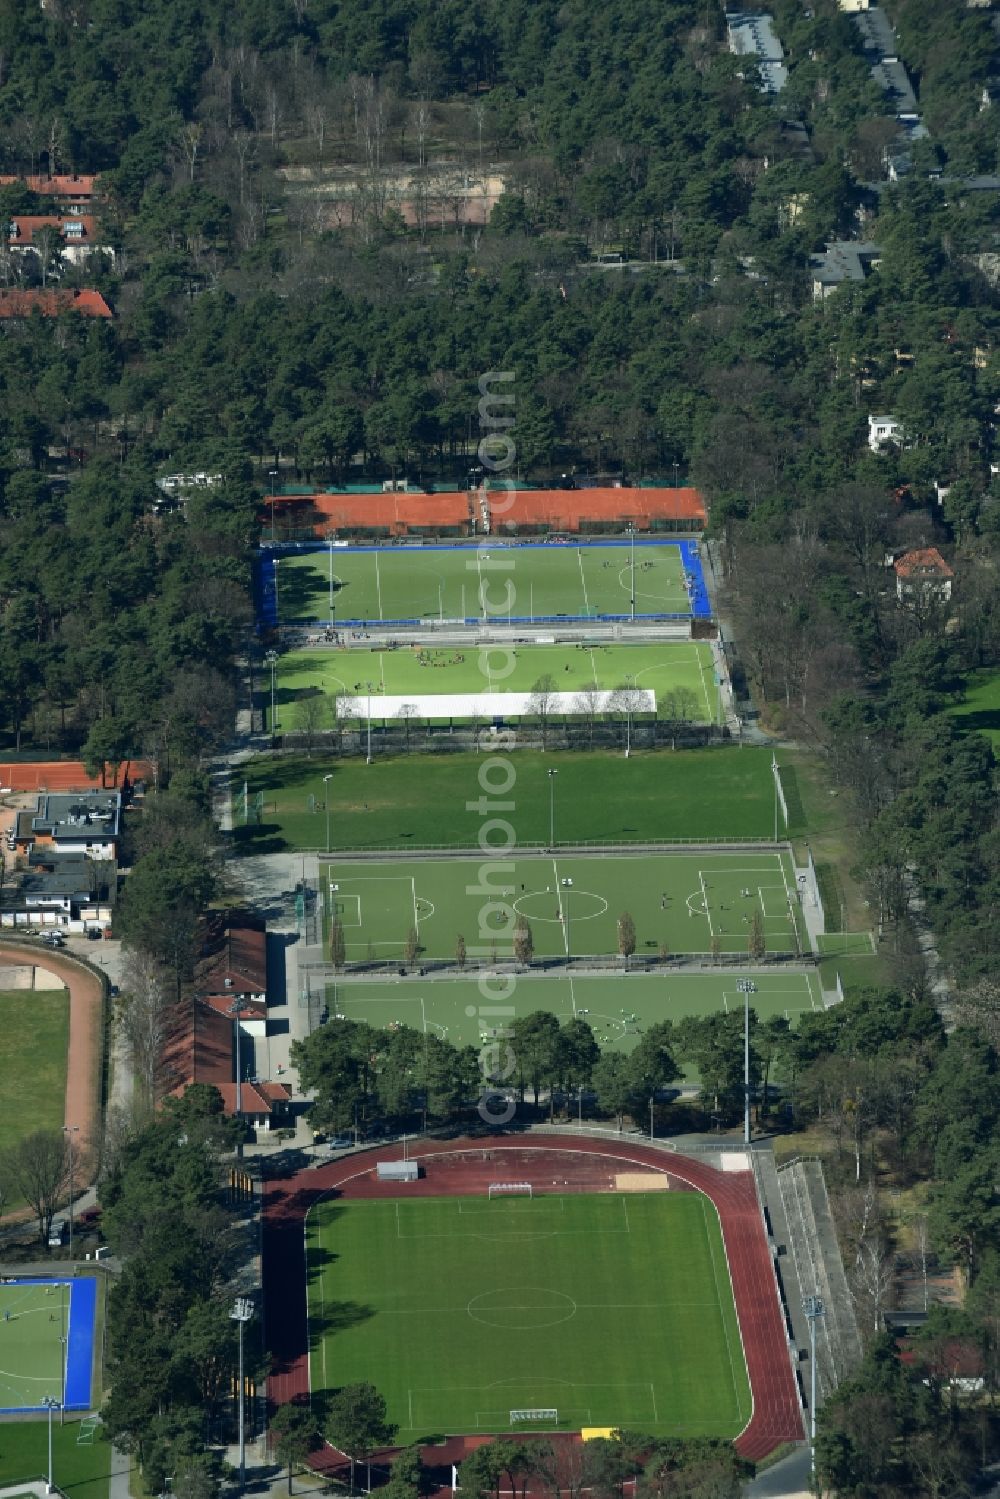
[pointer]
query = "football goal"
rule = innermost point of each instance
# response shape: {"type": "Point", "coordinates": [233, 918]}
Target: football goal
{"type": "Point", "coordinates": [510, 1189]}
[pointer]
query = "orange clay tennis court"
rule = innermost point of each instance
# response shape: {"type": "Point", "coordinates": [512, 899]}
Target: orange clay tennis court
{"type": "Point", "coordinates": [497, 512]}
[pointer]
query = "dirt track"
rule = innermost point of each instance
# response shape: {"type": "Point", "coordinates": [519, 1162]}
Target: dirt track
{"type": "Point", "coordinates": [83, 1070]}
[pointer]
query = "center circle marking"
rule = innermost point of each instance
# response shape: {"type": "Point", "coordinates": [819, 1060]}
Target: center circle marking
{"type": "Point", "coordinates": [542, 905]}
{"type": "Point", "coordinates": [524, 1307]}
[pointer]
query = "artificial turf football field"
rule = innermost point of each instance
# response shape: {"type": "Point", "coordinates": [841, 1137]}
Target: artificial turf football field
{"type": "Point", "coordinates": [679, 903]}
{"type": "Point", "coordinates": [617, 1010]}
{"type": "Point", "coordinates": [613, 1309]}
{"type": "Point", "coordinates": [46, 1343]}
{"type": "Point", "coordinates": [428, 583]}
{"type": "Point", "coordinates": [679, 672]}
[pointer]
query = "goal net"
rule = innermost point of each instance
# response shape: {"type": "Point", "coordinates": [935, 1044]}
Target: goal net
{"type": "Point", "coordinates": [509, 1189]}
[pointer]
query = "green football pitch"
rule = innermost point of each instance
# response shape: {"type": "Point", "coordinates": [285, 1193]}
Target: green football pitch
{"type": "Point", "coordinates": [679, 672]}
{"type": "Point", "coordinates": [680, 903]}
{"type": "Point", "coordinates": [419, 583]}
{"type": "Point", "coordinates": [431, 801]}
{"type": "Point", "coordinates": [612, 1310]}
{"type": "Point", "coordinates": [33, 1322]}
{"type": "Point", "coordinates": [617, 1009]}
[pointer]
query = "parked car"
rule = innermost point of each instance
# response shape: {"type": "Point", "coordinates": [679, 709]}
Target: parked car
{"type": "Point", "coordinates": [341, 1142]}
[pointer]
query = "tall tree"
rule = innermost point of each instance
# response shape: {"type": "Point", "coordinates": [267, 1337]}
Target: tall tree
{"type": "Point", "coordinates": [357, 1423]}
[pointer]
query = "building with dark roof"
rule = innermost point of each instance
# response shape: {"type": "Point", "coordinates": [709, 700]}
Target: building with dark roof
{"type": "Point", "coordinates": [82, 822]}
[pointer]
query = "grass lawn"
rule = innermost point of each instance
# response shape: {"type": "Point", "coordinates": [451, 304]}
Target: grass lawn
{"type": "Point", "coordinates": [680, 669]}
{"type": "Point", "coordinates": [421, 800]}
{"type": "Point", "coordinates": [546, 582]}
{"type": "Point", "coordinates": [33, 1044]}
{"type": "Point", "coordinates": [980, 709]}
{"type": "Point", "coordinates": [82, 1472]}
{"type": "Point", "coordinates": [680, 902]}
{"type": "Point", "coordinates": [614, 1310]}
{"type": "Point", "coordinates": [617, 1009]}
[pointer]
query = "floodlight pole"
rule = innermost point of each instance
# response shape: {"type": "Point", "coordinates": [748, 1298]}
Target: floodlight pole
{"type": "Point", "coordinates": [579, 1106]}
{"type": "Point", "coordinates": [552, 808]}
{"type": "Point", "coordinates": [652, 1126]}
{"type": "Point", "coordinates": [368, 754]}
{"type": "Point", "coordinates": [326, 803]}
{"type": "Point", "coordinates": [329, 547]}
{"type": "Point", "coordinates": [746, 987]}
{"type": "Point", "coordinates": [241, 1313]}
{"type": "Point", "coordinates": [814, 1309]}
{"type": "Point", "coordinates": [272, 474]}
{"type": "Point", "coordinates": [271, 660]}
{"type": "Point", "coordinates": [50, 1404]}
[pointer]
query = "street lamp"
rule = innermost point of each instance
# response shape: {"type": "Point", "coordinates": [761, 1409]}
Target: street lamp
{"type": "Point", "coordinates": [552, 808]}
{"type": "Point", "coordinates": [69, 1130]}
{"type": "Point", "coordinates": [746, 987]}
{"type": "Point", "coordinates": [814, 1309]}
{"type": "Point", "coordinates": [326, 803]}
{"type": "Point", "coordinates": [50, 1403]}
{"type": "Point", "coordinates": [271, 660]}
{"type": "Point", "coordinates": [368, 752]}
{"type": "Point", "coordinates": [629, 690]}
{"type": "Point", "coordinates": [241, 1313]}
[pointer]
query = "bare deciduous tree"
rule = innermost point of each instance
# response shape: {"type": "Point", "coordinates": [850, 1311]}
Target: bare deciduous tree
{"type": "Point", "coordinates": [141, 1016]}
{"type": "Point", "coordinates": [37, 1168]}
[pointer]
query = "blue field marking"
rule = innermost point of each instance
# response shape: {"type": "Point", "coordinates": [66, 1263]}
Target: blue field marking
{"type": "Point", "coordinates": [266, 599]}
{"type": "Point", "coordinates": [79, 1342]}
{"type": "Point", "coordinates": [80, 1348]}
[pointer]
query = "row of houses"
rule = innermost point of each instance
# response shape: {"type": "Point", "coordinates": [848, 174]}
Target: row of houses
{"type": "Point", "coordinates": [218, 1033]}
{"type": "Point", "coordinates": [66, 230]}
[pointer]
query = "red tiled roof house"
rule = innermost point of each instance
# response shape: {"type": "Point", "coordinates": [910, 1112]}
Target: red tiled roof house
{"type": "Point", "coordinates": [922, 576]}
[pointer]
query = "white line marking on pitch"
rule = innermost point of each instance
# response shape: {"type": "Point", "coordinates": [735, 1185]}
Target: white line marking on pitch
{"type": "Point", "coordinates": [586, 600]}
{"type": "Point", "coordinates": [562, 916]}
{"type": "Point", "coordinates": [704, 896]}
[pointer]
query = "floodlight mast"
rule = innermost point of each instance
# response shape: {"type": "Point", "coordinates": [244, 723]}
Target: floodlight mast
{"type": "Point", "coordinates": [50, 1403]}
{"type": "Point", "coordinates": [746, 987]}
{"type": "Point", "coordinates": [241, 1313]}
{"type": "Point", "coordinates": [814, 1309]}
{"type": "Point", "coordinates": [552, 808]}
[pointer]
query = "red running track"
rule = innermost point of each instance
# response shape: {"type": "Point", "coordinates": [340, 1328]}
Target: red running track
{"type": "Point", "coordinates": [465, 1167]}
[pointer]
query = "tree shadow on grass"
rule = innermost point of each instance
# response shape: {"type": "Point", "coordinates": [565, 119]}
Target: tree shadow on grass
{"type": "Point", "coordinates": [984, 721]}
